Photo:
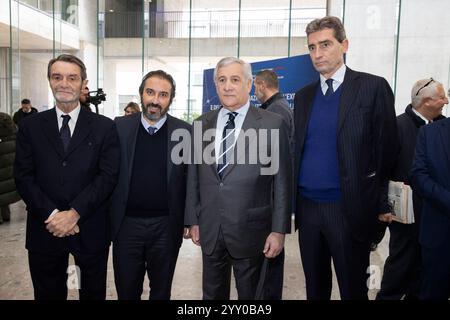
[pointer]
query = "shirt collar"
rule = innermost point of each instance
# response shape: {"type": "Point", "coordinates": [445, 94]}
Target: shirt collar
{"type": "Point", "coordinates": [338, 78]}
{"type": "Point", "coordinates": [417, 113]}
{"type": "Point", "coordinates": [157, 125]}
{"type": "Point", "coordinates": [242, 111]}
{"type": "Point", "coordinates": [73, 114]}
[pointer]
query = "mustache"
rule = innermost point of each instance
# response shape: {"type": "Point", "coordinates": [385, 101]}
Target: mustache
{"type": "Point", "coordinates": [153, 105]}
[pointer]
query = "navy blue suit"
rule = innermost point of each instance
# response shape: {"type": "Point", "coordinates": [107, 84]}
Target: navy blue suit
{"type": "Point", "coordinates": [430, 177]}
{"type": "Point", "coordinates": [82, 178]}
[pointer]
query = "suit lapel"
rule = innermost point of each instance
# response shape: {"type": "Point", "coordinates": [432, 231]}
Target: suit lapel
{"type": "Point", "coordinates": [210, 124]}
{"type": "Point", "coordinates": [131, 144]}
{"type": "Point", "coordinates": [51, 131]}
{"type": "Point", "coordinates": [445, 137]}
{"type": "Point", "coordinates": [81, 131]}
{"type": "Point", "coordinates": [350, 88]}
{"type": "Point", "coordinates": [303, 114]}
{"type": "Point", "coordinates": [170, 145]}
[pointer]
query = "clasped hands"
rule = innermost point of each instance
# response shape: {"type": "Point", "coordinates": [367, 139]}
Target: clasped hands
{"type": "Point", "coordinates": [63, 223]}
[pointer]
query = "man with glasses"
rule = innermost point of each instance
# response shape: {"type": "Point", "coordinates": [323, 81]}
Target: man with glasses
{"type": "Point", "coordinates": [401, 276]}
{"type": "Point", "coordinates": [66, 167]}
{"type": "Point", "coordinates": [430, 178]}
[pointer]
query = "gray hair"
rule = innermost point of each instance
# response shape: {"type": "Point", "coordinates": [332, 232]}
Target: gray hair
{"type": "Point", "coordinates": [421, 90]}
{"type": "Point", "coordinates": [70, 59]}
{"type": "Point", "coordinates": [230, 60]}
{"type": "Point", "coordinates": [328, 22]}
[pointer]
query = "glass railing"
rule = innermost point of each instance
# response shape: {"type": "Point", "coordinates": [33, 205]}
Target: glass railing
{"type": "Point", "coordinates": [65, 10]}
{"type": "Point", "coordinates": [210, 24]}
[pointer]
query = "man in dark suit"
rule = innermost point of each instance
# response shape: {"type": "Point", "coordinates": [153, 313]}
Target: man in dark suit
{"type": "Point", "coordinates": [401, 275]}
{"type": "Point", "coordinates": [66, 167]}
{"type": "Point", "coordinates": [147, 210]}
{"type": "Point", "coordinates": [430, 177]}
{"type": "Point", "coordinates": [267, 92]}
{"type": "Point", "coordinates": [345, 143]}
{"type": "Point", "coordinates": [238, 204]}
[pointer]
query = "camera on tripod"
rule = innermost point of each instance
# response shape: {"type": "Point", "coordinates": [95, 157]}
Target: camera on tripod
{"type": "Point", "coordinates": [97, 98]}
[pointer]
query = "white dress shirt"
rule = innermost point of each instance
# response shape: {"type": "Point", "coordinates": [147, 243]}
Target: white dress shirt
{"type": "Point", "coordinates": [222, 119]}
{"type": "Point", "coordinates": [338, 79]}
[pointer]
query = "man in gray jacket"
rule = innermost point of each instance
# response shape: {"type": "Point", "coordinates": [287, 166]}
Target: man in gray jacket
{"type": "Point", "coordinates": [238, 211]}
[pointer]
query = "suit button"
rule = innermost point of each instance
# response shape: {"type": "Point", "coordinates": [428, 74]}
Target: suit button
{"type": "Point", "coordinates": [64, 163]}
{"type": "Point", "coordinates": [221, 184]}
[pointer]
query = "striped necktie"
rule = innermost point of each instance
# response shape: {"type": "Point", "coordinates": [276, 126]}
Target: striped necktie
{"type": "Point", "coordinates": [226, 144]}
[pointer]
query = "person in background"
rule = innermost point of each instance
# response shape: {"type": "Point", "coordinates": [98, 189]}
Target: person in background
{"type": "Point", "coordinates": [267, 92]}
{"type": "Point", "coordinates": [131, 107]}
{"type": "Point", "coordinates": [430, 178]}
{"type": "Point", "coordinates": [84, 99]}
{"type": "Point", "coordinates": [401, 275]}
{"type": "Point", "coordinates": [25, 110]}
{"type": "Point", "coordinates": [8, 192]}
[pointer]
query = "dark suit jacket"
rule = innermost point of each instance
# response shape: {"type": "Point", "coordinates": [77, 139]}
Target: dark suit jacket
{"type": "Point", "coordinates": [366, 143]}
{"type": "Point", "coordinates": [83, 178]}
{"type": "Point", "coordinates": [244, 203]}
{"type": "Point", "coordinates": [430, 177]}
{"type": "Point", "coordinates": [128, 128]}
{"type": "Point", "coordinates": [279, 105]}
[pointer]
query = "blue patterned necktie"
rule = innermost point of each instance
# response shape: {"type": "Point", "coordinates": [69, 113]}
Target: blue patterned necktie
{"type": "Point", "coordinates": [226, 144]}
{"type": "Point", "coordinates": [151, 130]}
{"type": "Point", "coordinates": [330, 90]}
{"type": "Point", "coordinates": [64, 132]}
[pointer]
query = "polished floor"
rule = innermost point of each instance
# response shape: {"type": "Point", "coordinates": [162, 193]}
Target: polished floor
{"type": "Point", "coordinates": [15, 281]}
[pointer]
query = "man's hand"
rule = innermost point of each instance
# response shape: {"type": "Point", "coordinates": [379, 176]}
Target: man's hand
{"type": "Point", "coordinates": [274, 244]}
{"type": "Point", "coordinates": [63, 223]}
{"type": "Point", "coordinates": [386, 217]}
{"type": "Point", "coordinates": [195, 234]}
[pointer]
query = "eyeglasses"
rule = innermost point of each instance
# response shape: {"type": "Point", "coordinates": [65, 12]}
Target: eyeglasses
{"type": "Point", "coordinates": [426, 84]}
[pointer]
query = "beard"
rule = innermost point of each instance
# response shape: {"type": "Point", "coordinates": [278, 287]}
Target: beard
{"type": "Point", "coordinates": [154, 116]}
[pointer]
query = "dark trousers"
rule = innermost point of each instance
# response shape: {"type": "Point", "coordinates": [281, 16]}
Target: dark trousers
{"type": "Point", "coordinates": [324, 235]}
{"type": "Point", "coordinates": [436, 272]}
{"type": "Point", "coordinates": [217, 274]}
{"type": "Point", "coordinates": [144, 245]}
{"type": "Point", "coordinates": [273, 286]}
{"type": "Point", "coordinates": [401, 276]}
{"type": "Point", "coordinates": [49, 274]}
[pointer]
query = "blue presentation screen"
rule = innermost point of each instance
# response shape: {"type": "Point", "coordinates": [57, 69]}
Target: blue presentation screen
{"type": "Point", "coordinates": [293, 74]}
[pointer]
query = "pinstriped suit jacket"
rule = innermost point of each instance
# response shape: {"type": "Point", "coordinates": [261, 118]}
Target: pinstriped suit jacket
{"type": "Point", "coordinates": [366, 143]}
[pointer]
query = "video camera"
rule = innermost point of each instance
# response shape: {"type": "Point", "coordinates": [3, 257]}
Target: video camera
{"type": "Point", "coordinates": [97, 98]}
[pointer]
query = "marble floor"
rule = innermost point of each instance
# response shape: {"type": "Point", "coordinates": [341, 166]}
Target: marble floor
{"type": "Point", "coordinates": [15, 281]}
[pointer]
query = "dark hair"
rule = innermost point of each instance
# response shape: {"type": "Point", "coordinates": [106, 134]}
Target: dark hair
{"type": "Point", "coordinates": [70, 59]}
{"type": "Point", "coordinates": [132, 105]}
{"type": "Point", "coordinates": [269, 77]}
{"type": "Point", "coordinates": [328, 22]}
{"type": "Point", "coordinates": [25, 101]}
{"type": "Point", "coordinates": [160, 74]}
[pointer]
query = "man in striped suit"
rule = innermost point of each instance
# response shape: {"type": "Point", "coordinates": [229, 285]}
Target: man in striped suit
{"type": "Point", "coordinates": [345, 142]}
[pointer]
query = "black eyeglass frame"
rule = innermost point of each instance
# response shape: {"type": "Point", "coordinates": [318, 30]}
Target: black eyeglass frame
{"type": "Point", "coordinates": [426, 84]}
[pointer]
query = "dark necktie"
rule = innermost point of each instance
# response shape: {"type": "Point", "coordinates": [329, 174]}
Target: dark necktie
{"type": "Point", "coordinates": [226, 144]}
{"type": "Point", "coordinates": [151, 130]}
{"type": "Point", "coordinates": [65, 131]}
{"type": "Point", "coordinates": [330, 90]}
